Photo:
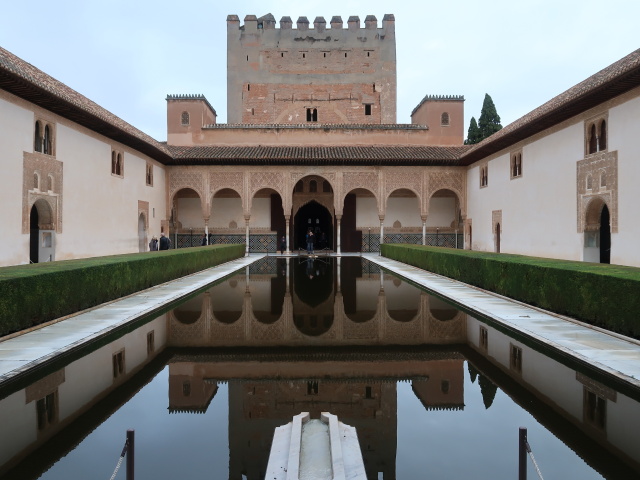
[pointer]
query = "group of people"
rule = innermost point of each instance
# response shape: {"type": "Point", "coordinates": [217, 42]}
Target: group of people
{"type": "Point", "coordinates": [163, 244]}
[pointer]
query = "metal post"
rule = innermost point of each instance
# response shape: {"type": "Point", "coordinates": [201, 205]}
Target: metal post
{"type": "Point", "coordinates": [131, 454]}
{"type": "Point", "coordinates": [522, 454]}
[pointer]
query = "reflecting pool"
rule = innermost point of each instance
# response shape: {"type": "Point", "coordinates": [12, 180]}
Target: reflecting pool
{"type": "Point", "coordinates": [433, 392]}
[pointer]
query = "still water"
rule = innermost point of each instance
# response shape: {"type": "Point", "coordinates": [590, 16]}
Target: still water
{"type": "Point", "coordinates": [432, 392]}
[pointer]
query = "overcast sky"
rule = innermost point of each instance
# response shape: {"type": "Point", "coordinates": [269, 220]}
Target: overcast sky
{"type": "Point", "coordinates": [128, 55]}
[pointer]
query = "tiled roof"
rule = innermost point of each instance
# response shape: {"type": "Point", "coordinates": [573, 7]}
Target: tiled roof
{"type": "Point", "coordinates": [26, 81]}
{"type": "Point", "coordinates": [608, 83]}
{"type": "Point", "coordinates": [317, 155]}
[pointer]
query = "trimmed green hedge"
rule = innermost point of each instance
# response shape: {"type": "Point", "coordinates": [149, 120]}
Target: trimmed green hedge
{"type": "Point", "coordinates": [34, 294]}
{"type": "Point", "coordinates": [604, 295]}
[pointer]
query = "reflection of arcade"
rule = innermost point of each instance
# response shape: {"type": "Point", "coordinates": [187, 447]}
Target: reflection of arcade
{"type": "Point", "coordinates": [267, 390]}
{"type": "Point", "coordinates": [314, 296]}
{"type": "Point", "coordinates": [332, 301]}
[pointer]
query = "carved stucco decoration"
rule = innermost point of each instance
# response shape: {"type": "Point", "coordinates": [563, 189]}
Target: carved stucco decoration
{"type": "Point", "coordinates": [367, 180]}
{"type": "Point", "coordinates": [448, 180]}
{"type": "Point", "coordinates": [406, 179]}
{"type": "Point", "coordinates": [186, 178]}
{"type": "Point", "coordinates": [272, 180]}
{"type": "Point", "coordinates": [602, 170]}
{"type": "Point", "coordinates": [49, 170]}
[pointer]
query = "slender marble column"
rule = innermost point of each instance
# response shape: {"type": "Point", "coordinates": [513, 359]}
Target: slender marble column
{"type": "Point", "coordinates": [338, 221]}
{"type": "Point", "coordinates": [246, 221]}
{"type": "Point", "coordinates": [288, 250]}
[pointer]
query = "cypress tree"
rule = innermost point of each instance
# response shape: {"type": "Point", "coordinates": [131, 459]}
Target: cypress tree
{"type": "Point", "coordinates": [473, 134]}
{"type": "Point", "coordinates": [489, 122]}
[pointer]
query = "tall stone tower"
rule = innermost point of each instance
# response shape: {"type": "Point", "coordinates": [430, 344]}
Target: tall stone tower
{"type": "Point", "coordinates": [298, 75]}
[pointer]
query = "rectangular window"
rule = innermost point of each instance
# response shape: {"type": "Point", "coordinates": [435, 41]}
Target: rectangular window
{"type": "Point", "coordinates": [312, 388]}
{"type": "Point", "coordinates": [594, 409]}
{"type": "Point", "coordinates": [151, 342]}
{"type": "Point", "coordinates": [516, 164]}
{"type": "Point", "coordinates": [484, 338]}
{"type": "Point", "coordinates": [312, 114]}
{"type": "Point", "coordinates": [118, 364]}
{"type": "Point", "coordinates": [367, 109]}
{"type": "Point", "coordinates": [149, 175]}
{"type": "Point", "coordinates": [516, 359]}
{"type": "Point", "coordinates": [47, 410]}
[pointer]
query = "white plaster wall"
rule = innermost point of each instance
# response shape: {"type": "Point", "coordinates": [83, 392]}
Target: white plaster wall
{"type": "Point", "coordinates": [224, 211]}
{"type": "Point", "coordinates": [99, 211]}
{"type": "Point", "coordinates": [539, 208]}
{"type": "Point", "coordinates": [92, 376]}
{"type": "Point", "coordinates": [260, 213]}
{"type": "Point", "coordinates": [442, 212]}
{"type": "Point", "coordinates": [623, 131]}
{"type": "Point", "coordinates": [16, 137]}
{"type": "Point", "coordinates": [367, 212]}
{"type": "Point", "coordinates": [406, 210]}
{"type": "Point", "coordinates": [19, 425]}
{"type": "Point", "coordinates": [190, 212]}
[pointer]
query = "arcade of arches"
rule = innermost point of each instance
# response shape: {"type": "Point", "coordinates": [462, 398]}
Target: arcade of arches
{"type": "Point", "coordinates": [349, 209]}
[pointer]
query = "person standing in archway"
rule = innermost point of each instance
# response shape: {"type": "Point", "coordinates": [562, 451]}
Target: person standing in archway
{"type": "Point", "coordinates": [165, 243]}
{"type": "Point", "coordinates": [310, 240]}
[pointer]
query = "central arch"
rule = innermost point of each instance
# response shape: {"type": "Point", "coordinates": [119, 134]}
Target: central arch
{"type": "Point", "coordinates": [316, 217]}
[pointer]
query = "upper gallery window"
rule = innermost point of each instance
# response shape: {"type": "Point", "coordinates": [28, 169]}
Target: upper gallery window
{"type": "Point", "coordinates": [596, 134]}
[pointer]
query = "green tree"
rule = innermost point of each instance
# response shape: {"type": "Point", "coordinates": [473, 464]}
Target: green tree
{"type": "Point", "coordinates": [489, 122]}
{"type": "Point", "coordinates": [473, 134]}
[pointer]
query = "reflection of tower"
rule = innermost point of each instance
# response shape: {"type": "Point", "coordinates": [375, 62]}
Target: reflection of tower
{"type": "Point", "coordinates": [188, 392]}
{"type": "Point", "coordinates": [444, 390]}
{"type": "Point", "coordinates": [256, 408]}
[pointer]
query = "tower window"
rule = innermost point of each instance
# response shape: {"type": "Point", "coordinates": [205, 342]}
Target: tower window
{"type": "Point", "coordinates": [184, 119]}
{"type": "Point", "coordinates": [312, 114]}
{"type": "Point", "coordinates": [367, 109]}
{"type": "Point", "coordinates": [444, 119]}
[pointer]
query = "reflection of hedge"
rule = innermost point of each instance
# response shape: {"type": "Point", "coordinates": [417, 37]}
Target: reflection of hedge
{"type": "Point", "coordinates": [37, 293]}
{"type": "Point", "coordinates": [604, 295]}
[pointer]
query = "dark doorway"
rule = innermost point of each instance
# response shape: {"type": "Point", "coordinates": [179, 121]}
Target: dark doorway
{"type": "Point", "coordinates": [605, 236]}
{"type": "Point", "coordinates": [317, 217]}
{"type": "Point", "coordinates": [35, 233]}
{"type": "Point", "coordinates": [497, 238]}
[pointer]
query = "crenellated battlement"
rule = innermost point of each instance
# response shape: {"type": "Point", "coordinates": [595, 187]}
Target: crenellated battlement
{"type": "Point", "coordinates": [253, 23]}
{"type": "Point", "coordinates": [341, 71]}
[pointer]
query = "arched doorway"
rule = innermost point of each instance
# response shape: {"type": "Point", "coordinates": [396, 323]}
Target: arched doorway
{"type": "Point", "coordinates": [316, 217]}
{"type": "Point", "coordinates": [597, 232]}
{"type": "Point", "coordinates": [142, 234]}
{"type": "Point", "coordinates": [605, 235]}
{"type": "Point", "coordinates": [41, 238]}
{"type": "Point", "coordinates": [35, 233]}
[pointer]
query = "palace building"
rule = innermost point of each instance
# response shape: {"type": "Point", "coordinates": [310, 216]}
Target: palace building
{"type": "Point", "coordinates": [312, 143]}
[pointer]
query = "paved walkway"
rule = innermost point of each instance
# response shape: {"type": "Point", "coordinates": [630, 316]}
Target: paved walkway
{"type": "Point", "coordinates": [30, 350]}
{"type": "Point", "coordinates": [615, 354]}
